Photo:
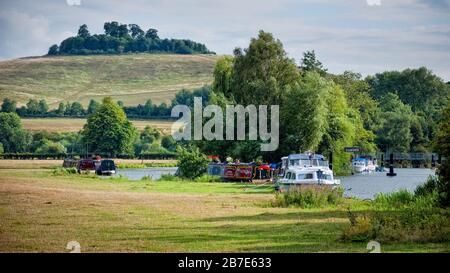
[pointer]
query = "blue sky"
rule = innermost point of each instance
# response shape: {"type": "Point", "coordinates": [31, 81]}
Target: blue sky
{"type": "Point", "coordinates": [367, 36]}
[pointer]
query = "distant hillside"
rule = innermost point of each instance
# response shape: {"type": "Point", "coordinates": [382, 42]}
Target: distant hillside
{"type": "Point", "coordinates": [132, 78]}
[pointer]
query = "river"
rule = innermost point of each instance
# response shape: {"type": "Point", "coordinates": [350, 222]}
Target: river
{"type": "Point", "coordinates": [364, 186]}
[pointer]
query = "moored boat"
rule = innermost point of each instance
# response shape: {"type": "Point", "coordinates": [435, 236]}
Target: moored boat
{"type": "Point", "coordinates": [305, 169]}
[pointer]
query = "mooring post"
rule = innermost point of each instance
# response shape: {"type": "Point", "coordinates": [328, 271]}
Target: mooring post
{"type": "Point", "coordinates": [330, 164]}
{"type": "Point", "coordinates": [391, 166]}
{"type": "Point", "coordinates": [382, 161]}
{"type": "Point", "coordinates": [433, 161]}
{"type": "Point", "coordinates": [439, 159]}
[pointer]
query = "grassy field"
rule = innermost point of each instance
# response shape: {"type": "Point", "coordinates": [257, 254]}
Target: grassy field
{"type": "Point", "coordinates": [131, 78]}
{"type": "Point", "coordinates": [75, 124]}
{"type": "Point", "coordinates": [41, 212]}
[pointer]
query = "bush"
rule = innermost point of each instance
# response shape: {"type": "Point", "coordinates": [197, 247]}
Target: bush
{"type": "Point", "coordinates": [361, 230]}
{"type": "Point", "coordinates": [64, 171]}
{"type": "Point", "coordinates": [443, 184]}
{"type": "Point", "coordinates": [428, 187]}
{"type": "Point", "coordinates": [191, 163]}
{"type": "Point", "coordinates": [410, 225]}
{"type": "Point", "coordinates": [309, 197]}
{"type": "Point", "coordinates": [168, 143]}
{"type": "Point", "coordinates": [208, 178]}
{"type": "Point", "coordinates": [147, 178]}
{"type": "Point", "coordinates": [399, 199]}
{"type": "Point", "coordinates": [169, 177]}
{"type": "Point", "coordinates": [421, 199]}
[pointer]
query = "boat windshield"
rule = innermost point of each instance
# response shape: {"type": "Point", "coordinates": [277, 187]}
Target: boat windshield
{"type": "Point", "coordinates": [305, 162]}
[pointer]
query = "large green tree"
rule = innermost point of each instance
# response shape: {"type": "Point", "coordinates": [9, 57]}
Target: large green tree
{"type": "Point", "coordinates": [12, 136]}
{"type": "Point", "coordinates": [303, 114]}
{"type": "Point", "coordinates": [358, 94]}
{"type": "Point", "coordinates": [108, 131]}
{"type": "Point", "coordinates": [310, 63]}
{"type": "Point", "coordinates": [9, 105]}
{"type": "Point", "coordinates": [341, 129]}
{"type": "Point", "coordinates": [426, 93]}
{"type": "Point", "coordinates": [262, 72]}
{"type": "Point", "coordinates": [223, 74]}
{"type": "Point", "coordinates": [442, 145]}
{"type": "Point", "coordinates": [394, 134]}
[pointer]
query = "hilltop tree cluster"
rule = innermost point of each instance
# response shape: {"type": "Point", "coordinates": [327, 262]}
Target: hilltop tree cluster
{"type": "Point", "coordinates": [121, 38]}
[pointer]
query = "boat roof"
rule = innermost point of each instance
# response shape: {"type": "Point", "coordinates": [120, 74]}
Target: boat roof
{"type": "Point", "coordinates": [306, 157]}
{"type": "Point", "coordinates": [310, 169]}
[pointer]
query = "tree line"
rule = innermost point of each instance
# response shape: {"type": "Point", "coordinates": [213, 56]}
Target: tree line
{"type": "Point", "coordinates": [107, 132]}
{"type": "Point", "coordinates": [122, 38]}
{"type": "Point", "coordinates": [392, 111]}
{"type": "Point", "coordinates": [396, 111]}
{"type": "Point", "coordinates": [148, 110]}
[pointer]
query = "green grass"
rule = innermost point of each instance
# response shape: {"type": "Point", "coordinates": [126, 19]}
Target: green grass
{"type": "Point", "coordinates": [132, 78]}
{"type": "Point", "coordinates": [41, 212]}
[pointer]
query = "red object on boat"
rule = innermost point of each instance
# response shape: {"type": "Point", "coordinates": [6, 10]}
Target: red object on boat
{"type": "Point", "coordinates": [265, 167]}
{"type": "Point", "coordinates": [238, 172]}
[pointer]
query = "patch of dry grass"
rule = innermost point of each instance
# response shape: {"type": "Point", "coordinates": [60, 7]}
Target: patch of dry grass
{"type": "Point", "coordinates": [132, 78]}
{"type": "Point", "coordinates": [41, 213]}
{"type": "Point", "coordinates": [76, 124]}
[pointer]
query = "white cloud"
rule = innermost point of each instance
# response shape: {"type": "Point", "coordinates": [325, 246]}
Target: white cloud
{"type": "Point", "coordinates": [373, 2]}
{"type": "Point", "coordinates": [345, 34]}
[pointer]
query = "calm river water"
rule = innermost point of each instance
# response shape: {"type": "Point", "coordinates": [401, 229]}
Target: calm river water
{"type": "Point", "coordinates": [155, 173]}
{"type": "Point", "coordinates": [363, 186]}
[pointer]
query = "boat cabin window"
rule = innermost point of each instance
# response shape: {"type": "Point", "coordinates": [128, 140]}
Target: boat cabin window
{"type": "Point", "coordinates": [327, 177]}
{"type": "Point", "coordinates": [304, 176]}
{"type": "Point", "coordinates": [288, 175]}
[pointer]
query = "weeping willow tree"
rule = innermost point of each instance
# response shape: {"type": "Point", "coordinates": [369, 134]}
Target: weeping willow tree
{"type": "Point", "coordinates": [314, 110]}
{"type": "Point", "coordinates": [340, 131]}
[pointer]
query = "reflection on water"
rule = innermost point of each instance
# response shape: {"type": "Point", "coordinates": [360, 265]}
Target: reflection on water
{"type": "Point", "coordinates": [363, 186]}
{"type": "Point", "coordinates": [366, 185]}
{"type": "Point", "coordinates": [154, 173]}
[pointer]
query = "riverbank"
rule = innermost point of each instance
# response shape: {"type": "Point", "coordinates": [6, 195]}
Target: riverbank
{"type": "Point", "coordinates": [41, 212]}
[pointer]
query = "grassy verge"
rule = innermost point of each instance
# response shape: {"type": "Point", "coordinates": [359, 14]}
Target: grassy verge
{"type": "Point", "coordinates": [41, 212]}
{"type": "Point", "coordinates": [400, 217]}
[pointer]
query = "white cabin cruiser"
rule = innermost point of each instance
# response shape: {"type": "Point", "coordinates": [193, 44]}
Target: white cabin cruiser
{"type": "Point", "coordinates": [359, 165]}
{"type": "Point", "coordinates": [362, 164]}
{"type": "Point", "coordinates": [302, 161]}
{"type": "Point", "coordinates": [307, 176]}
{"type": "Point", "coordinates": [305, 169]}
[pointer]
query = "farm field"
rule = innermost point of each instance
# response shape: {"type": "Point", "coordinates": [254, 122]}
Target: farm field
{"type": "Point", "coordinates": [42, 212]}
{"type": "Point", "coordinates": [76, 124]}
{"type": "Point", "coordinates": [131, 78]}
